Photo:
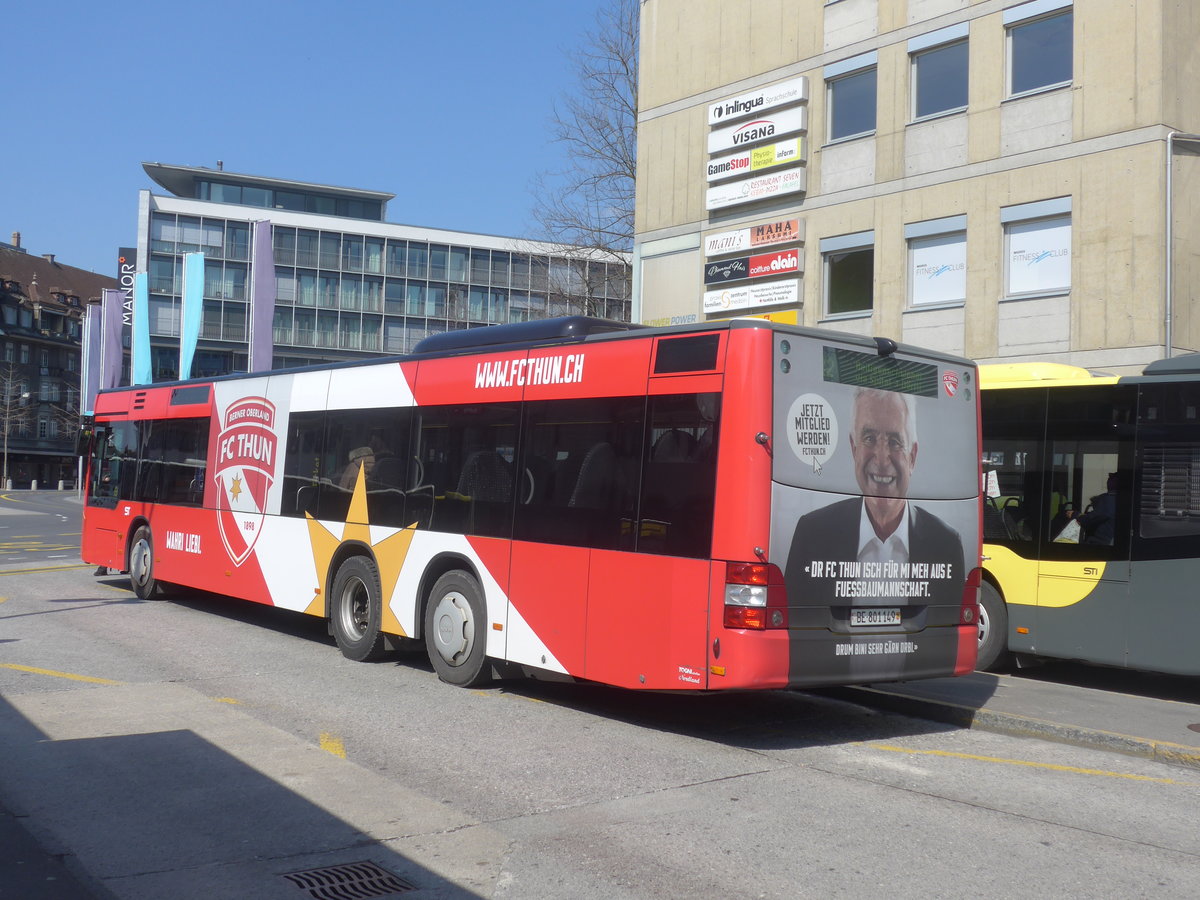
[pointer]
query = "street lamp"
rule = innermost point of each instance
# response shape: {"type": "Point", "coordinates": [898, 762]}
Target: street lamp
{"type": "Point", "coordinates": [22, 397]}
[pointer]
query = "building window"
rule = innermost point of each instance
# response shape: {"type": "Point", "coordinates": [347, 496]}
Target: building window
{"type": "Point", "coordinates": [24, 354]}
{"type": "Point", "coordinates": [848, 262]}
{"type": "Point", "coordinates": [939, 72]}
{"type": "Point", "coordinates": [1040, 44]}
{"type": "Point", "coordinates": [937, 261]}
{"type": "Point", "coordinates": [1037, 248]}
{"type": "Point", "coordinates": [8, 351]}
{"type": "Point", "coordinates": [850, 97]}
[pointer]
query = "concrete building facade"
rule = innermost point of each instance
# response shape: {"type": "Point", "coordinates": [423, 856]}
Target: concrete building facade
{"type": "Point", "coordinates": [1005, 180]}
{"type": "Point", "coordinates": [42, 301]}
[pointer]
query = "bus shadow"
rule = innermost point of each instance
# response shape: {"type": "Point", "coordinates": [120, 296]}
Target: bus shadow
{"type": "Point", "coordinates": [753, 720]}
{"type": "Point", "coordinates": [1152, 685]}
{"type": "Point", "coordinates": [758, 721]}
{"type": "Point", "coordinates": [170, 814]}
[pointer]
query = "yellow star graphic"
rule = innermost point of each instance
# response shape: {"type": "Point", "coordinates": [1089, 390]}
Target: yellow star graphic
{"type": "Point", "coordinates": [235, 488]}
{"type": "Point", "coordinates": [390, 553]}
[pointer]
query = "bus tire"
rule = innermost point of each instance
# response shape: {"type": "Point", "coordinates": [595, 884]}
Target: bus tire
{"type": "Point", "coordinates": [456, 630]}
{"type": "Point", "coordinates": [993, 630]}
{"type": "Point", "coordinates": [141, 565]}
{"type": "Point", "coordinates": [356, 610]}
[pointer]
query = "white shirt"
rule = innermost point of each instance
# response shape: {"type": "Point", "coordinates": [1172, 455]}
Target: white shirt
{"type": "Point", "coordinates": [872, 549]}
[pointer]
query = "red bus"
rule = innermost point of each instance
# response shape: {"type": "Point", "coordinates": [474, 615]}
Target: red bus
{"type": "Point", "coordinates": [678, 508]}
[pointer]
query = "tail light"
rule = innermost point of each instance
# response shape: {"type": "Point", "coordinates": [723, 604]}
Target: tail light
{"type": "Point", "coordinates": [755, 596]}
{"type": "Point", "coordinates": [969, 613]}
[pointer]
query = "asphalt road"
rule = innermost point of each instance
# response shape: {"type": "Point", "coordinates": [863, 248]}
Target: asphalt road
{"type": "Point", "coordinates": [208, 748]}
{"type": "Point", "coordinates": [39, 526]}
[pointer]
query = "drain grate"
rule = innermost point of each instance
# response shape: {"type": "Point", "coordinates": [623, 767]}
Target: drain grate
{"type": "Point", "coordinates": [350, 881]}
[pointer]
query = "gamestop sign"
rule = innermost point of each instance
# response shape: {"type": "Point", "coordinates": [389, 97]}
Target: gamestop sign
{"type": "Point", "coordinates": [787, 152]}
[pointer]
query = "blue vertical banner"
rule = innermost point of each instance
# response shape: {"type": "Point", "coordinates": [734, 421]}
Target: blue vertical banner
{"type": "Point", "coordinates": [112, 332]}
{"type": "Point", "coordinates": [93, 349]}
{"type": "Point", "coordinates": [192, 312]}
{"type": "Point", "coordinates": [262, 299]}
{"type": "Point", "coordinates": [140, 368]}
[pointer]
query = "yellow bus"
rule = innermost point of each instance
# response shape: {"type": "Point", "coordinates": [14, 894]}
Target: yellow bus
{"type": "Point", "coordinates": [1091, 515]}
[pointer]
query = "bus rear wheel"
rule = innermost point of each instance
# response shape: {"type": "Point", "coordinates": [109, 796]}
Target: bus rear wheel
{"type": "Point", "coordinates": [141, 565]}
{"type": "Point", "coordinates": [993, 630]}
{"type": "Point", "coordinates": [455, 630]}
{"type": "Point", "coordinates": [356, 610]}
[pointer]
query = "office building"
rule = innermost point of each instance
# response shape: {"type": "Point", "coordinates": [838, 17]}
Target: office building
{"type": "Point", "coordinates": [1006, 180]}
{"type": "Point", "coordinates": [343, 282]}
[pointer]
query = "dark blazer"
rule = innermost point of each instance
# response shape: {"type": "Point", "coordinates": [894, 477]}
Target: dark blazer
{"type": "Point", "coordinates": [830, 534]}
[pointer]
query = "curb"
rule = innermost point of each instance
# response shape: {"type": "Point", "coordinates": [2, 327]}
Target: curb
{"type": "Point", "coordinates": [1021, 726]}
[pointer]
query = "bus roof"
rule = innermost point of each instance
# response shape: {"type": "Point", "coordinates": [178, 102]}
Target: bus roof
{"type": "Point", "coordinates": [1038, 374]}
{"type": "Point", "coordinates": [561, 331]}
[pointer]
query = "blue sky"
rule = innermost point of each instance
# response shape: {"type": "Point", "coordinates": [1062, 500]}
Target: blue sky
{"type": "Point", "coordinates": [445, 104]}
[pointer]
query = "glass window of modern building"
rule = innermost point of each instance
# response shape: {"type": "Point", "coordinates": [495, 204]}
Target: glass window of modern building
{"type": "Point", "coordinates": [343, 282]}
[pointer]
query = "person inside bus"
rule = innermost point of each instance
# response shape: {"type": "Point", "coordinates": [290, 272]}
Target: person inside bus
{"type": "Point", "coordinates": [1098, 522]}
{"type": "Point", "coordinates": [360, 458]}
{"type": "Point", "coordinates": [881, 526]}
{"type": "Point", "coordinates": [1065, 527]}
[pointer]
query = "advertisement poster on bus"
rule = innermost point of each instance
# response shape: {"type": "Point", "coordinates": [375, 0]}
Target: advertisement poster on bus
{"type": "Point", "coordinates": [880, 512]}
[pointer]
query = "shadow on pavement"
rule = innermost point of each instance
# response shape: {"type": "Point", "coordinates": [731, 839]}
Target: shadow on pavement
{"type": "Point", "coordinates": [167, 814]}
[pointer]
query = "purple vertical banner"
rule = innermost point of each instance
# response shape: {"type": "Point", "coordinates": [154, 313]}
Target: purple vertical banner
{"type": "Point", "coordinates": [262, 299]}
{"type": "Point", "coordinates": [112, 323]}
{"type": "Point", "coordinates": [89, 377]}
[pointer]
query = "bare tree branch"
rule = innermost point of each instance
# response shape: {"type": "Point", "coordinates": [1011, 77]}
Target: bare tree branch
{"type": "Point", "coordinates": [590, 202]}
{"type": "Point", "coordinates": [15, 412]}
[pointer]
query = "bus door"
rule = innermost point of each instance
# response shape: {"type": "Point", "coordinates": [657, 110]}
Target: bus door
{"type": "Point", "coordinates": [1084, 524]}
{"type": "Point", "coordinates": [1164, 616]}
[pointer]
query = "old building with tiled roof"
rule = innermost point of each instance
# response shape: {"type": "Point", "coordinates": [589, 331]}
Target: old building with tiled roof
{"type": "Point", "coordinates": [41, 311]}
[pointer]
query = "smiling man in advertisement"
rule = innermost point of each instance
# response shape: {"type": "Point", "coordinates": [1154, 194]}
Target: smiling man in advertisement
{"type": "Point", "coordinates": [879, 548]}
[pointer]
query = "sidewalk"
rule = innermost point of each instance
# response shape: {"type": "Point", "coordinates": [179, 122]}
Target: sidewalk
{"type": "Point", "coordinates": [1165, 730]}
{"type": "Point", "coordinates": [29, 871]}
{"type": "Point", "coordinates": [1108, 720]}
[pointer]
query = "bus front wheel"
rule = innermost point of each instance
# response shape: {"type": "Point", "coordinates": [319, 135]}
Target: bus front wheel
{"type": "Point", "coordinates": [455, 630]}
{"type": "Point", "coordinates": [356, 610]}
{"type": "Point", "coordinates": [993, 630]}
{"type": "Point", "coordinates": [141, 565]}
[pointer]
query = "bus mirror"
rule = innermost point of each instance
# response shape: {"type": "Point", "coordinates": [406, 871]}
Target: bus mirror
{"type": "Point", "coordinates": [83, 443]}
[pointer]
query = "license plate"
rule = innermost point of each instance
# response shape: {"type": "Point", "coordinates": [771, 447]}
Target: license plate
{"type": "Point", "coordinates": [875, 615]}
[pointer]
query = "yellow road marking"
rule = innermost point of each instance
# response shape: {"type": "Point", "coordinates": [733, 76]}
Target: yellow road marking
{"type": "Point", "coordinates": [1033, 765]}
{"type": "Point", "coordinates": [229, 700]}
{"type": "Point", "coordinates": [45, 569]}
{"type": "Point", "coordinates": [331, 743]}
{"type": "Point", "coordinates": [68, 675]}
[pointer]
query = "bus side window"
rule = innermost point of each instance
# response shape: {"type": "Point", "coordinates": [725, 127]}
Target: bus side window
{"type": "Point", "coordinates": [580, 468]}
{"type": "Point", "coordinates": [302, 464]}
{"type": "Point", "coordinates": [1012, 452]}
{"type": "Point", "coordinates": [1088, 499]}
{"type": "Point", "coordinates": [114, 466]}
{"type": "Point", "coordinates": [464, 456]}
{"type": "Point", "coordinates": [679, 477]}
{"type": "Point", "coordinates": [1168, 499]}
